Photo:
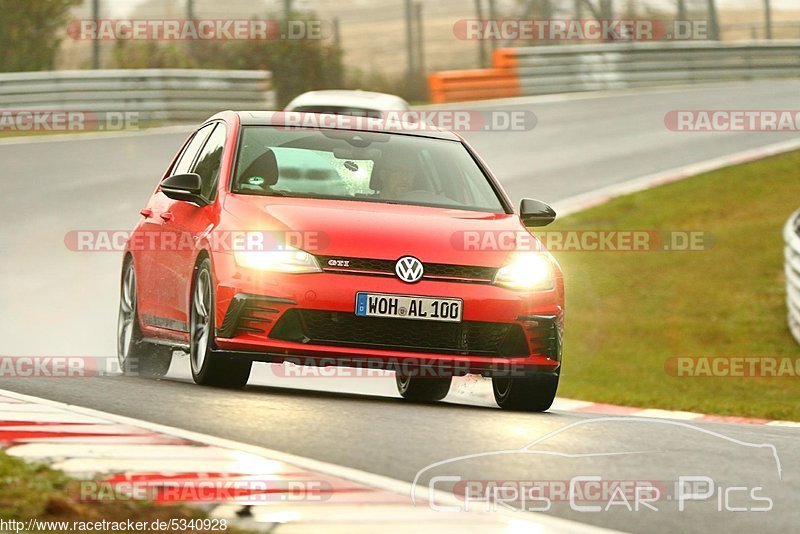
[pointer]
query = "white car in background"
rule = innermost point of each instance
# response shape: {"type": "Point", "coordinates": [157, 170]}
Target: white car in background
{"type": "Point", "coordinates": [346, 102]}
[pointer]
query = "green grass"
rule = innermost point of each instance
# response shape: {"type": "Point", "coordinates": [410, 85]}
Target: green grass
{"type": "Point", "coordinates": [629, 312]}
{"type": "Point", "coordinates": [29, 491]}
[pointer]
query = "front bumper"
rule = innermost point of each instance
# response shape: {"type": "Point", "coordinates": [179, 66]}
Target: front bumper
{"type": "Point", "coordinates": [309, 319]}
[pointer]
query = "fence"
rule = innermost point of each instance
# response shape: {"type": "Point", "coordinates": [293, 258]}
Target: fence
{"type": "Point", "coordinates": [590, 67]}
{"type": "Point", "coordinates": [791, 234]}
{"type": "Point", "coordinates": [155, 94]}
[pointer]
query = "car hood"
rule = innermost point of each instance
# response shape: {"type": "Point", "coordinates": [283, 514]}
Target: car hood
{"type": "Point", "coordinates": [382, 231]}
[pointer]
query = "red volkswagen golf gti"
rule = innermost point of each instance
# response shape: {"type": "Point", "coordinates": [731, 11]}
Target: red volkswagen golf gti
{"type": "Point", "coordinates": [341, 242]}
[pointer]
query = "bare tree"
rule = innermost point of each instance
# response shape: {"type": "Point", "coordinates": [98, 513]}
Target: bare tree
{"type": "Point", "coordinates": [682, 15]}
{"type": "Point", "coordinates": [768, 18]}
{"type": "Point", "coordinates": [538, 8]}
{"type": "Point", "coordinates": [603, 10]}
{"type": "Point", "coordinates": [713, 20]}
{"type": "Point", "coordinates": [32, 33]}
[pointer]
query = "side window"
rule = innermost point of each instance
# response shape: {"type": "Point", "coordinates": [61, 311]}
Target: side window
{"type": "Point", "coordinates": [186, 159]}
{"type": "Point", "coordinates": [209, 160]}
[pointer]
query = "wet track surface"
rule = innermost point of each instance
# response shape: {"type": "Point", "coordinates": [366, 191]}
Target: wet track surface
{"type": "Point", "coordinates": [57, 302]}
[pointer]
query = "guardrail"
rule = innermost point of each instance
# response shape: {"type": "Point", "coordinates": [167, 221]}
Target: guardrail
{"type": "Point", "coordinates": [155, 94]}
{"type": "Point", "coordinates": [791, 235]}
{"type": "Point", "coordinates": [590, 67]}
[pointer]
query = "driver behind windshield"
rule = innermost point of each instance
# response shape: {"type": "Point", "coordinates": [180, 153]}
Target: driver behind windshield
{"type": "Point", "coordinates": [397, 176]}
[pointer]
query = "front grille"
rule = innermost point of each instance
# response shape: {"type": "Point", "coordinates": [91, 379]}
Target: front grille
{"type": "Point", "coordinates": [459, 271]}
{"type": "Point", "coordinates": [467, 273]}
{"type": "Point", "coordinates": [470, 338]}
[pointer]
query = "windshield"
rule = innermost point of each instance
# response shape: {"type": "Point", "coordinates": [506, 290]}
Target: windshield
{"type": "Point", "coordinates": [361, 166]}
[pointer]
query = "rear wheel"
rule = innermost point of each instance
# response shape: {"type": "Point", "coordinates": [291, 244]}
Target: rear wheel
{"type": "Point", "coordinates": [423, 389]}
{"type": "Point", "coordinates": [136, 356]}
{"type": "Point", "coordinates": [529, 393]}
{"type": "Point", "coordinates": [210, 369]}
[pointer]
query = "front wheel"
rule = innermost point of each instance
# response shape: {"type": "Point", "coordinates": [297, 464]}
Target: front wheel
{"type": "Point", "coordinates": [528, 393]}
{"type": "Point", "coordinates": [423, 389]}
{"type": "Point", "coordinates": [210, 369]}
{"type": "Point", "coordinates": [137, 356]}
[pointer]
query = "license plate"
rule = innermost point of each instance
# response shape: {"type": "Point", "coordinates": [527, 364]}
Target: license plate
{"type": "Point", "coordinates": [409, 307]}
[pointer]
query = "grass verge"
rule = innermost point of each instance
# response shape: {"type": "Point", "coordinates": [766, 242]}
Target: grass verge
{"type": "Point", "coordinates": [34, 491]}
{"type": "Point", "coordinates": [628, 313]}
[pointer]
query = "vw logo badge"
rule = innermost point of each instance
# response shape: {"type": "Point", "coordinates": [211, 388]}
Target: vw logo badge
{"type": "Point", "coordinates": [408, 269]}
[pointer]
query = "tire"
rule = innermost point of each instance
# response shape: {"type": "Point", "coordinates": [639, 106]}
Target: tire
{"type": "Point", "coordinates": [529, 394]}
{"type": "Point", "coordinates": [208, 368]}
{"type": "Point", "coordinates": [136, 356]}
{"type": "Point", "coordinates": [423, 389]}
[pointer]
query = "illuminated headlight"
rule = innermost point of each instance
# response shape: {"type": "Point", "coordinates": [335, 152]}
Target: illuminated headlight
{"type": "Point", "coordinates": [528, 271]}
{"type": "Point", "coordinates": [289, 260]}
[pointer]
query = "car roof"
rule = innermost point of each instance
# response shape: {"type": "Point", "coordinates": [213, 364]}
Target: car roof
{"type": "Point", "coordinates": [292, 119]}
{"type": "Point", "coordinates": [350, 99]}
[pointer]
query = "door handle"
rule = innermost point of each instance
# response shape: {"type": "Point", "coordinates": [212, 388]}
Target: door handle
{"type": "Point", "coordinates": [146, 213]}
{"type": "Point", "coordinates": [167, 216]}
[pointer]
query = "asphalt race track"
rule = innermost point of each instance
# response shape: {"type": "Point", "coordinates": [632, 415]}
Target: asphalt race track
{"type": "Point", "coordinates": [54, 301]}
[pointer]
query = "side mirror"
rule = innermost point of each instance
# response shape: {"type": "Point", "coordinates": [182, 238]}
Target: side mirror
{"type": "Point", "coordinates": [536, 213]}
{"type": "Point", "coordinates": [185, 187]}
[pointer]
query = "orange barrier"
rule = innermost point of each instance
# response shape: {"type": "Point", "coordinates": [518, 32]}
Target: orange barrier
{"type": "Point", "coordinates": [505, 58]}
{"type": "Point", "coordinates": [477, 84]}
{"type": "Point", "coordinates": [569, 68]}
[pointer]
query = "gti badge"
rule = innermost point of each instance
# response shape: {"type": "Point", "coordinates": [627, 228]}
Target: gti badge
{"type": "Point", "coordinates": [408, 269]}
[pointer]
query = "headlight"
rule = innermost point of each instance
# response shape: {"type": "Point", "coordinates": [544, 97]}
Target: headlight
{"type": "Point", "coordinates": [528, 271]}
{"type": "Point", "coordinates": [289, 260]}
